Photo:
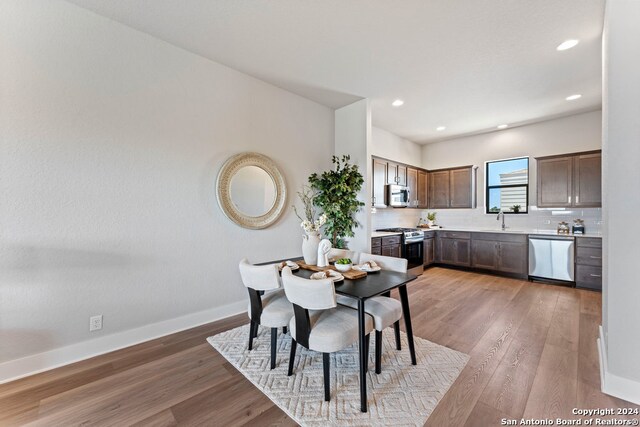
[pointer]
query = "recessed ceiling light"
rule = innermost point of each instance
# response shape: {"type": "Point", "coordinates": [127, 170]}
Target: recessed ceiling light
{"type": "Point", "coordinates": [440, 128]}
{"type": "Point", "coordinates": [502, 126]}
{"type": "Point", "coordinates": [397, 103]}
{"type": "Point", "coordinates": [567, 44]}
{"type": "Point", "coordinates": [573, 97]}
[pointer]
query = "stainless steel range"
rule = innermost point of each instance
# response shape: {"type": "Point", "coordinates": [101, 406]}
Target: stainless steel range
{"type": "Point", "coordinates": [411, 248]}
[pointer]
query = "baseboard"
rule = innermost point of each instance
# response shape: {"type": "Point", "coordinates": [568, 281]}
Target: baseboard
{"type": "Point", "coordinates": [30, 365]}
{"type": "Point", "coordinates": [613, 385]}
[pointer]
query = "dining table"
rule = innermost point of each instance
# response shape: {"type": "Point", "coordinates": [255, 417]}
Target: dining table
{"type": "Point", "coordinates": [373, 284]}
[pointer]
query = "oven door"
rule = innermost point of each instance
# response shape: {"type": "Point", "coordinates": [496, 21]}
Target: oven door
{"type": "Point", "coordinates": [397, 196]}
{"type": "Point", "coordinates": [413, 253]}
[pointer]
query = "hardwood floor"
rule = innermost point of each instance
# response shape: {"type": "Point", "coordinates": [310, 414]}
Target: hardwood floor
{"type": "Point", "coordinates": [532, 346]}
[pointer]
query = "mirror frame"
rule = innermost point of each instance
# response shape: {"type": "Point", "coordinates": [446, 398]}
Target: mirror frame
{"type": "Point", "coordinates": [223, 190]}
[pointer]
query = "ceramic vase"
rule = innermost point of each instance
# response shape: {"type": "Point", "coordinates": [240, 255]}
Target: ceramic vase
{"type": "Point", "coordinates": [310, 244]}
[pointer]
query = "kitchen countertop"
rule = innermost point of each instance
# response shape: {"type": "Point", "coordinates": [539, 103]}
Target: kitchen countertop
{"type": "Point", "coordinates": [385, 233]}
{"type": "Point", "coordinates": [492, 230]}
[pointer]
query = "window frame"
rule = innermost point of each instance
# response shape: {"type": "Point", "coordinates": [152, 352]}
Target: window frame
{"type": "Point", "coordinates": [488, 188]}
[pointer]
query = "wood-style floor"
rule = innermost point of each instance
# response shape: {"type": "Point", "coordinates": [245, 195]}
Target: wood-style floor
{"type": "Point", "coordinates": [532, 346]}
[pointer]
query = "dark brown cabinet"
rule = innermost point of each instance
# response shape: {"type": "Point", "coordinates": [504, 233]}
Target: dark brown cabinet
{"type": "Point", "coordinates": [428, 251]}
{"type": "Point", "coordinates": [387, 246]}
{"type": "Point", "coordinates": [570, 180]}
{"type": "Point", "coordinates": [379, 181]}
{"type": "Point", "coordinates": [589, 263]}
{"type": "Point", "coordinates": [454, 249]}
{"type": "Point", "coordinates": [452, 188]}
{"type": "Point", "coordinates": [412, 183]}
{"type": "Point", "coordinates": [423, 189]}
{"type": "Point", "coordinates": [499, 252]}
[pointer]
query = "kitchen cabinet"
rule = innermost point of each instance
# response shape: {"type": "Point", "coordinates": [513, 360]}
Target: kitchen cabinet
{"type": "Point", "coordinates": [572, 180]}
{"type": "Point", "coordinates": [589, 263]}
{"type": "Point", "coordinates": [396, 173]}
{"type": "Point", "coordinates": [423, 189]}
{"type": "Point", "coordinates": [454, 248]}
{"type": "Point", "coordinates": [428, 249]}
{"type": "Point", "coordinates": [387, 246]}
{"type": "Point", "coordinates": [412, 183]}
{"type": "Point", "coordinates": [506, 253]}
{"type": "Point", "coordinates": [378, 184]}
{"type": "Point", "coordinates": [452, 188]}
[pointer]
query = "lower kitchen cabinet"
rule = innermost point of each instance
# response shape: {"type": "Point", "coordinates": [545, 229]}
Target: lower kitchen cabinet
{"type": "Point", "coordinates": [589, 263]}
{"type": "Point", "coordinates": [428, 250]}
{"type": "Point", "coordinates": [387, 246]}
{"type": "Point", "coordinates": [454, 251]}
{"type": "Point", "coordinates": [506, 253]}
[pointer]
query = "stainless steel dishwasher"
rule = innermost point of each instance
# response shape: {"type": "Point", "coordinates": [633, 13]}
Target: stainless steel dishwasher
{"type": "Point", "coordinates": [552, 257]}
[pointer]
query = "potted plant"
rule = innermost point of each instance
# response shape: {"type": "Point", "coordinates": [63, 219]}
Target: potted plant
{"type": "Point", "coordinates": [431, 218]}
{"type": "Point", "coordinates": [310, 224]}
{"type": "Point", "coordinates": [515, 208]}
{"type": "Point", "coordinates": [337, 196]}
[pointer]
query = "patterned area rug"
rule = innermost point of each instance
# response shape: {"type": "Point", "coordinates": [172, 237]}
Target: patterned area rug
{"type": "Point", "coordinates": [402, 395]}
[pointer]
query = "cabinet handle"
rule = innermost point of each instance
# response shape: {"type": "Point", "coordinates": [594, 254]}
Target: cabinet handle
{"type": "Point", "coordinates": [595, 257]}
{"type": "Point", "coordinates": [595, 275]}
{"type": "Point", "coordinates": [577, 199]}
{"type": "Point", "coordinates": [569, 199]}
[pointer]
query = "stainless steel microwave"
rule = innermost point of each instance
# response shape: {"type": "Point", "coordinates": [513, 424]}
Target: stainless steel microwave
{"type": "Point", "coordinates": [397, 196]}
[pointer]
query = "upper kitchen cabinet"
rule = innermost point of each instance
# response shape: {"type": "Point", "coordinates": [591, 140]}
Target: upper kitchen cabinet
{"type": "Point", "coordinates": [379, 174]}
{"type": "Point", "coordinates": [423, 189]}
{"type": "Point", "coordinates": [412, 183]}
{"type": "Point", "coordinates": [396, 173]}
{"type": "Point", "coordinates": [452, 188]}
{"type": "Point", "coordinates": [572, 180]}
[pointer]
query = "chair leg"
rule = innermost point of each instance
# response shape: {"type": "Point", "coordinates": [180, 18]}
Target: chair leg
{"type": "Point", "coordinates": [274, 345]}
{"type": "Point", "coordinates": [284, 330]}
{"type": "Point", "coordinates": [292, 356]}
{"type": "Point", "coordinates": [378, 352]}
{"type": "Point", "coordinates": [396, 329]}
{"type": "Point", "coordinates": [326, 366]}
{"type": "Point", "coordinates": [252, 331]}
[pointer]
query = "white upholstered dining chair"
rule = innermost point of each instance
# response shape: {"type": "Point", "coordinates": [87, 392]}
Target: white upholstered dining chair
{"type": "Point", "coordinates": [386, 311]}
{"type": "Point", "coordinates": [319, 323]}
{"type": "Point", "coordinates": [268, 305]}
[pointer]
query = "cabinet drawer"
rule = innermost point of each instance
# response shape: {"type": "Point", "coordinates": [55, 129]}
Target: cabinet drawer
{"type": "Point", "coordinates": [391, 240]}
{"type": "Point", "coordinates": [589, 242]}
{"type": "Point", "coordinates": [377, 250]}
{"type": "Point", "coordinates": [588, 276]}
{"type": "Point", "coordinates": [589, 256]}
{"type": "Point", "coordinates": [454, 234]}
{"type": "Point", "coordinates": [376, 242]}
{"type": "Point", "coordinates": [501, 237]}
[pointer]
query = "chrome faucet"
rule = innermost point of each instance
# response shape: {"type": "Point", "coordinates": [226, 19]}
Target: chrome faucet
{"type": "Point", "coordinates": [504, 227]}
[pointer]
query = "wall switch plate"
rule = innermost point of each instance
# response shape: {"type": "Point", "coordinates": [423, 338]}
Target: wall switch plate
{"type": "Point", "coordinates": [547, 221]}
{"type": "Point", "coordinates": [95, 323]}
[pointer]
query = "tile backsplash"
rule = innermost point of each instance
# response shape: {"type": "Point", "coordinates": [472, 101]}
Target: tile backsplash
{"type": "Point", "coordinates": [536, 219]}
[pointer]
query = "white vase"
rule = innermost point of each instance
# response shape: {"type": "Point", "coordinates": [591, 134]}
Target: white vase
{"type": "Point", "coordinates": [310, 244]}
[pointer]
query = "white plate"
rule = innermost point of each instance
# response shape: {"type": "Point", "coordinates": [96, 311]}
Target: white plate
{"type": "Point", "coordinates": [297, 267]}
{"type": "Point", "coordinates": [335, 278]}
{"type": "Point", "coordinates": [367, 270]}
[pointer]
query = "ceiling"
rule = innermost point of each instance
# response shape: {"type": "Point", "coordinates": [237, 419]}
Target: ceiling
{"type": "Point", "coordinates": [468, 65]}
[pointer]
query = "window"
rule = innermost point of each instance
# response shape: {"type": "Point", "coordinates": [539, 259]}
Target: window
{"type": "Point", "coordinates": [507, 186]}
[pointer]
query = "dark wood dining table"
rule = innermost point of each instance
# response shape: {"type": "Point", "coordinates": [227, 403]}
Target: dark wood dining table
{"type": "Point", "coordinates": [374, 284]}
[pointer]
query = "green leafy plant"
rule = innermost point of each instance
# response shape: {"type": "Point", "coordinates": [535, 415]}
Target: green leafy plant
{"type": "Point", "coordinates": [515, 208]}
{"type": "Point", "coordinates": [431, 216]}
{"type": "Point", "coordinates": [337, 196]}
{"type": "Point", "coordinates": [344, 261]}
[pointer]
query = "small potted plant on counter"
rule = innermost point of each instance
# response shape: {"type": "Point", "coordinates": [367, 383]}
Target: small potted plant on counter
{"type": "Point", "coordinates": [431, 219]}
{"type": "Point", "coordinates": [515, 208]}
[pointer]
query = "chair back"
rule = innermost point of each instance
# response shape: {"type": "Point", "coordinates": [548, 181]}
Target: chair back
{"type": "Point", "coordinates": [259, 277]}
{"type": "Point", "coordinates": [308, 294]}
{"type": "Point", "coordinates": [386, 262]}
{"type": "Point", "coordinates": [336, 254]}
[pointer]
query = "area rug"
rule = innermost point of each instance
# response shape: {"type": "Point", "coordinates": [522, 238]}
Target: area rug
{"type": "Point", "coordinates": [402, 395]}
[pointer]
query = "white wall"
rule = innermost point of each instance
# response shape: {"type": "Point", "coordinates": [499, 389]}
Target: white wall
{"type": "Point", "coordinates": [110, 142]}
{"type": "Point", "coordinates": [620, 344]}
{"type": "Point", "coordinates": [353, 137]}
{"type": "Point", "coordinates": [391, 146]}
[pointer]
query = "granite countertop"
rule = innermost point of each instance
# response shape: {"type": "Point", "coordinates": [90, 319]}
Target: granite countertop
{"type": "Point", "coordinates": [493, 230]}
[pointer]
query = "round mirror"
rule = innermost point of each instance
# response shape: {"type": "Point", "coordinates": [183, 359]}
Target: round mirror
{"type": "Point", "coordinates": [251, 190]}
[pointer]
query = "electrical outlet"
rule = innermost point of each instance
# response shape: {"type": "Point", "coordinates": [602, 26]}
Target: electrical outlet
{"type": "Point", "coordinates": [95, 323]}
{"type": "Point", "coordinates": [547, 221]}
